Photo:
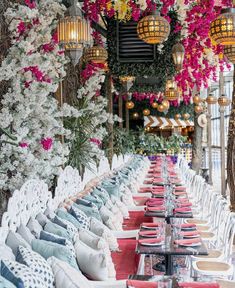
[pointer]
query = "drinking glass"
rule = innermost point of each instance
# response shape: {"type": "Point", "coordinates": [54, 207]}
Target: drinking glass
{"type": "Point", "coordinates": [165, 282]}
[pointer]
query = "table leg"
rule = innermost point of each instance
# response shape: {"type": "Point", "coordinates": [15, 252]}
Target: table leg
{"type": "Point", "coordinates": [169, 265]}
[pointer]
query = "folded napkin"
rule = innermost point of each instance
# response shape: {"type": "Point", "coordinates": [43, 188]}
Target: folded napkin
{"type": "Point", "coordinates": [156, 208]}
{"type": "Point", "coordinates": [148, 233]}
{"type": "Point", "coordinates": [183, 209]}
{"type": "Point", "coordinates": [179, 193]}
{"type": "Point", "coordinates": [186, 204]}
{"type": "Point", "coordinates": [198, 285]}
{"type": "Point", "coordinates": [180, 188]}
{"type": "Point", "coordinates": [189, 233]}
{"type": "Point", "coordinates": [152, 225]}
{"type": "Point", "coordinates": [158, 192]}
{"type": "Point", "coordinates": [188, 241]}
{"type": "Point", "coordinates": [158, 188]}
{"type": "Point", "coordinates": [151, 240]}
{"type": "Point", "coordinates": [141, 284]}
{"type": "Point", "coordinates": [188, 225]}
{"type": "Point", "coordinates": [155, 201]}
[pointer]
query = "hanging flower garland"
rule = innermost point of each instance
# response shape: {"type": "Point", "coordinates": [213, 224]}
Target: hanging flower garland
{"type": "Point", "coordinates": [35, 66]}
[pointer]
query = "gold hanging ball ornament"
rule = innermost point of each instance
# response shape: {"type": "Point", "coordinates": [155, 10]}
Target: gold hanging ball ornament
{"type": "Point", "coordinates": [211, 99]}
{"type": "Point", "coordinates": [153, 29]}
{"type": "Point", "coordinates": [223, 101]}
{"type": "Point", "coordinates": [198, 109]}
{"type": "Point", "coordinates": [154, 105]}
{"type": "Point", "coordinates": [146, 112]}
{"type": "Point", "coordinates": [186, 116]}
{"type": "Point", "coordinates": [166, 104]}
{"type": "Point", "coordinates": [161, 108]}
{"type": "Point", "coordinates": [229, 52]}
{"type": "Point", "coordinates": [178, 52]}
{"type": "Point", "coordinates": [97, 54]}
{"type": "Point", "coordinates": [197, 99]}
{"type": "Point", "coordinates": [222, 29]}
{"type": "Point", "coordinates": [130, 105]}
{"type": "Point", "coordinates": [177, 116]}
{"type": "Point", "coordinates": [135, 115]}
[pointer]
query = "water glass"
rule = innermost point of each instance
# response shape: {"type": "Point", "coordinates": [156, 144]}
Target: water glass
{"type": "Point", "coordinates": [165, 282]}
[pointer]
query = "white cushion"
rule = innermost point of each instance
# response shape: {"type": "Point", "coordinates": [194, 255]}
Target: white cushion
{"type": "Point", "coordinates": [101, 230]}
{"type": "Point", "coordinates": [25, 233]}
{"type": "Point", "coordinates": [98, 243]}
{"type": "Point", "coordinates": [6, 253]}
{"type": "Point", "coordinates": [34, 227]}
{"type": "Point", "coordinates": [66, 276]}
{"type": "Point", "coordinates": [91, 262]}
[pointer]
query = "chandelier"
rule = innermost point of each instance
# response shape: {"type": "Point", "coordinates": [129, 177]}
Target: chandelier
{"type": "Point", "coordinates": [229, 52]}
{"type": "Point", "coordinates": [153, 29]}
{"type": "Point", "coordinates": [74, 32]}
{"type": "Point", "coordinates": [222, 29]}
{"type": "Point", "coordinates": [97, 54]}
{"type": "Point", "coordinates": [178, 52]}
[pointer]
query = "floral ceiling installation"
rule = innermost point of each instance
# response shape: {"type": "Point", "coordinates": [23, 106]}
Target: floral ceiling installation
{"type": "Point", "coordinates": [203, 58]}
{"type": "Point", "coordinates": [34, 66]}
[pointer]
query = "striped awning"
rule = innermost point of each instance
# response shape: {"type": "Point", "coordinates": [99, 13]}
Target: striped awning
{"type": "Point", "coordinates": [153, 121]}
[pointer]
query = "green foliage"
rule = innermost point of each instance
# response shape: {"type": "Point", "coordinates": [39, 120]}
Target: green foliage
{"type": "Point", "coordinates": [162, 66]}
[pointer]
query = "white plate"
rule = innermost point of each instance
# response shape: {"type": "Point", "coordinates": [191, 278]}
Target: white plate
{"type": "Point", "coordinates": [191, 245]}
{"type": "Point", "coordinates": [150, 228]}
{"type": "Point", "coordinates": [152, 244]}
{"type": "Point", "coordinates": [192, 236]}
{"type": "Point", "coordinates": [149, 236]}
{"type": "Point", "coordinates": [188, 212]}
{"type": "Point", "coordinates": [189, 229]}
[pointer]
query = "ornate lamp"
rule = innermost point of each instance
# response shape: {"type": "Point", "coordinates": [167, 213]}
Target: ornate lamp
{"type": "Point", "coordinates": [222, 29]}
{"type": "Point", "coordinates": [97, 54]}
{"type": "Point", "coordinates": [177, 116]}
{"type": "Point", "coordinates": [146, 112]}
{"type": "Point", "coordinates": [166, 104]}
{"type": "Point", "coordinates": [223, 101]}
{"type": "Point", "coordinates": [161, 108]}
{"type": "Point", "coordinates": [130, 104]}
{"type": "Point", "coordinates": [211, 99]}
{"type": "Point", "coordinates": [229, 52]}
{"type": "Point", "coordinates": [127, 78]}
{"type": "Point", "coordinates": [74, 32]}
{"type": "Point", "coordinates": [178, 52]}
{"type": "Point", "coordinates": [153, 29]}
{"type": "Point", "coordinates": [186, 116]}
{"type": "Point", "coordinates": [198, 109]}
{"type": "Point", "coordinates": [197, 99]}
{"type": "Point", "coordinates": [154, 105]}
{"type": "Point", "coordinates": [171, 92]}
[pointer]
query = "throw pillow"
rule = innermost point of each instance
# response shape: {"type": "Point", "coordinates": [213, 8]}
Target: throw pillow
{"type": "Point", "coordinates": [25, 233]}
{"type": "Point", "coordinates": [67, 276]}
{"type": "Point", "coordinates": [58, 230]}
{"type": "Point", "coordinates": [47, 249]}
{"type": "Point", "coordinates": [38, 265]}
{"type": "Point", "coordinates": [90, 211]}
{"type": "Point", "coordinates": [6, 253]}
{"type": "Point", "coordinates": [21, 275]}
{"type": "Point", "coordinates": [81, 217]}
{"type": "Point", "coordinates": [4, 283]}
{"type": "Point", "coordinates": [91, 262]}
{"type": "Point", "coordinates": [14, 240]}
{"type": "Point", "coordinates": [34, 227]}
{"type": "Point", "coordinates": [68, 217]}
{"type": "Point", "coordinates": [42, 219]}
{"type": "Point", "coordinates": [72, 230]}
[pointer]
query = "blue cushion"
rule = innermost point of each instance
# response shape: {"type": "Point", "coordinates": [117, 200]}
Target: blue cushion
{"type": "Point", "coordinates": [112, 189]}
{"type": "Point", "coordinates": [95, 200]}
{"type": "Point", "coordinates": [37, 263]}
{"type": "Point", "coordinates": [71, 229]}
{"type": "Point", "coordinates": [81, 217]}
{"type": "Point", "coordinates": [67, 216]}
{"type": "Point", "coordinates": [21, 275]}
{"type": "Point", "coordinates": [48, 249]}
{"type": "Point", "coordinates": [90, 211]}
{"type": "Point", "coordinates": [4, 283]}
{"type": "Point", "coordinates": [58, 230]}
{"type": "Point", "coordinates": [102, 194]}
{"type": "Point", "coordinates": [84, 202]}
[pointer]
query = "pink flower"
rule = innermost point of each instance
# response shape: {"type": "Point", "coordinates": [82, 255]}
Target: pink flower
{"type": "Point", "coordinates": [30, 4]}
{"type": "Point", "coordinates": [23, 144]}
{"type": "Point", "coordinates": [46, 143]}
{"type": "Point", "coordinates": [95, 141]}
{"type": "Point", "coordinates": [21, 28]}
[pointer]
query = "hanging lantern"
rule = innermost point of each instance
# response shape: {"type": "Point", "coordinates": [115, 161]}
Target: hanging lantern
{"type": "Point", "coordinates": [178, 52]}
{"type": "Point", "coordinates": [222, 29]}
{"type": "Point", "coordinates": [197, 99]}
{"type": "Point", "coordinates": [223, 101]}
{"type": "Point", "coordinates": [146, 112]}
{"type": "Point", "coordinates": [211, 99]}
{"type": "Point", "coordinates": [127, 78]}
{"type": "Point", "coordinates": [161, 108]}
{"type": "Point", "coordinates": [198, 109]}
{"type": "Point", "coordinates": [154, 105]}
{"type": "Point", "coordinates": [135, 115]}
{"type": "Point", "coordinates": [153, 29]}
{"type": "Point", "coordinates": [166, 104]}
{"type": "Point", "coordinates": [130, 105]}
{"type": "Point", "coordinates": [186, 116]}
{"type": "Point", "coordinates": [74, 32]}
{"type": "Point", "coordinates": [97, 54]}
{"type": "Point", "coordinates": [177, 116]}
{"type": "Point", "coordinates": [171, 92]}
{"type": "Point", "coordinates": [229, 52]}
